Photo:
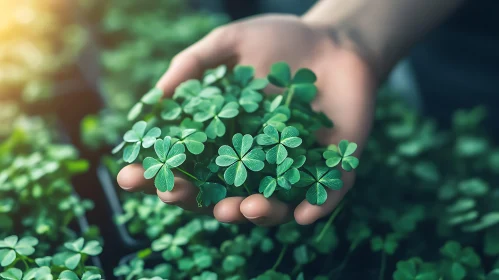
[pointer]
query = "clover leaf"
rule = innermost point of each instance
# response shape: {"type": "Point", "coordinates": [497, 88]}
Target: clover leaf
{"type": "Point", "coordinates": [211, 76]}
{"type": "Point", "coordinates": [76, 250]}
{"type": "Point", "coordinates": [342, 153]}
{"type": "Point", "coordinates": [138, 136]}
{"type": "Point", "coordinates": [171, 110]}
{"type": "Point", "coordinates": [319, 178]}
{"type": "Point", "coordinates": [237, 159]}
{"type": "Point", "coordinates": [287, 174]}
{"type": "Point", "coordinates": [301, 86]}
{"type": "Point", "coordinates": [170, 155]}
{"type": "Point", "coordinates": [192, 139]}
{"type": "Point", "coordinates": [12, 246]}
{"type": "Point", "coordinates": [250, 97]}
{"type": "Point", "coordinates": [209, 193]}
{"type": "Point", "coordinates": [215, 113]}
{"type": "Point", "coordinates": [415, 268]}
{"type": "Point", "coordinates": [12, 274]}
{"type": "Point", "coordinates": [279, 141]}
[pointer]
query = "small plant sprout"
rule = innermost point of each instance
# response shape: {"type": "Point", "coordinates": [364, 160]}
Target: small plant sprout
{"type": "Point", "coordinates": [229, 138]}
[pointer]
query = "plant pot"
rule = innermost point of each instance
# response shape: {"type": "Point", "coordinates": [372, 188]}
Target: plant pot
{"type": "Point", "coordinates": [110, 190]}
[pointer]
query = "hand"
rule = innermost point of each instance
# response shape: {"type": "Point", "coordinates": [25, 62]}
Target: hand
{"type": "Point", "coordinates": [345, 85]}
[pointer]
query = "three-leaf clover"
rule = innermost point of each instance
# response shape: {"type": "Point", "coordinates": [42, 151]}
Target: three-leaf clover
{"type": "Point", "coordinates": [215, 113]}
{"type": "Point", "coordinates": [342, 153]}
{"type": "Point", "coordinates": [287, 138]}
{"type": "Point", "coordinates": [415, 268]}
{"type": "Point", "coordinates": [318, 178]}
{"type": "Point", "coordinates": [239, 158]}
{"type": "Point", "coordinates": [12, 246]}
{"type": "Point", "coordinates": [192, 139]}
{"type": "Point", "coordinates": [250, 97]}
{"type": "Point", "coordinates": [170, 155]}
{"type": "Point", "coordinates": [301, 85]}
{"type": "Point", "coordinates": [287, 174]}
{"type": "Point", "coordinates": [138, 136]}
{"type": "Point", "coordinates": [76, 250]}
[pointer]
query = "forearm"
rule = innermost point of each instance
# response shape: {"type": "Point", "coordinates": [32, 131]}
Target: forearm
{"type": "Point", "coordinates": [380, 30]}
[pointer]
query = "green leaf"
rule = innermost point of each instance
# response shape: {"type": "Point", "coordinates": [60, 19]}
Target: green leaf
{"type": "Point", "coordinates": [164, 180]}
{"type": "Point", "coordinates": [131, 153]}
{"type": "Point", "coordinates": [7, 257]}
{"type": "Point", "coordinates": [215, 129]}
{"type": "Point", "coordinates": [280, 74]}
{"type": "Point", "coordinates": [92, 248]}
{"type": "Point", "coordinates": [458, 272]}
{"type": "Point", "coordinates": [305, 92]}
{"type": "Point", "coordinates": [244, 74]}
{"type": "Point", "coordinates": [267, 186]}
{"type": "Point", "coordinates": [316, 194]}
{"type": "Point", "coordinates": [227, 156]}
{"type": "Point", "coordinates": [236, 174]}
{"type": "Point", "coordinates": [258, 84]}
{"type": "Point", "coordinates": [176, 156]}
{"type": "Point", "coordinates": [304, 76]}
{"type": "Point", "coordinates": [152, 97]}
{"type": "Point", "coordinates": [135, 111]}
{"type": "Point", "coordinates": [232, 262]}
{"type": "Point", "coordinates": [253, 160]}
{"type": "Point", "coordinates": [151, 167]}
{"type": "Point", "coordinates": [451, 249]}
{"type": "Point", "coordinates": [12, 274]}
{"type": "Point", "coordinates": [270, 136]}
{"type": "Point", "coordinates": [72, 261]}
{"type": "Point", "coordinates": [230, 110]}
{"type": "Point", "coordinates": [171, 110]}
{"type": "Point", "coordinates": [68, 275]}
{"type": "Point", "coordinates": [212, 193]}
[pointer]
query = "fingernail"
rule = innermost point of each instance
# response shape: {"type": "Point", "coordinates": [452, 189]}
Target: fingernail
{"type": "Point", "coordinates": [259, 219]}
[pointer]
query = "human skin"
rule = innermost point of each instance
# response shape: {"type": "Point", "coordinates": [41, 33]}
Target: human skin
{"type": "Point", "coordinates": [349, 62]}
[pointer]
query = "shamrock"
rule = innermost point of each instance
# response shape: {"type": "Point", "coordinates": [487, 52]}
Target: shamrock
{"type": "Point", "coordinates": [11, 246]}
{"type": "Point", "coordinates": [460, 259]}
{"type": "Point", "coordinates": [170, 155]}
{"type": "Point", "coordinates": [77, 249]}
{"type": "Point", "coordinates": [319, 178]}
{"type": "Point", "coordinates": [342, 153]}
{"type": "Point", "coordinates": [389, 244]}
{"type": "Point", "coordinates": [415, 268]}
{"type": "Point", "coordinates": [70, 275]}
{"type": "Point", "coordinates": [239, 158]}
{"type": "Point", "coordinates": [301, 85]}
{"type": "Point", "coordinates": [232, 262]}
{"type": "Point", "coordinates": [139, 137]}
{"type": "Point", "coordinates": [250, 97]}
{"type": "Point", "coordinates": [287, 174]}
{"type": "Point", "coordinates": [287, 138]}
{"type": "Point", "coordinates": [192, 139]}
{"type": "Point", "coordinates": [209, 193]}
{"type": "Point", "coordinates": [215, 112]}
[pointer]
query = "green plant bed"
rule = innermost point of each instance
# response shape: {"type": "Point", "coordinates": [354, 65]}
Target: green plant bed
{"type": "Point", "coordinates": [39, 209]}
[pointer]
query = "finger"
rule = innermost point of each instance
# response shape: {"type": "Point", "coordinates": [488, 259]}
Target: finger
{"type": "Point", "coordinates": [265, 212]}
{"type": "Point", "coordinates": [306, 213]}
{"type": "Point", "coordinates": [227, 210]}
{"type": "Point", "coordinates": [131, 179]}
{"type": "Point", "coordinates": [217, 48]}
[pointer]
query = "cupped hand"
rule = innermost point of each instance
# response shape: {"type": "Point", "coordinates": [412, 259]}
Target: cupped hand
{"type": "Point", "coordinates": [345, 94]}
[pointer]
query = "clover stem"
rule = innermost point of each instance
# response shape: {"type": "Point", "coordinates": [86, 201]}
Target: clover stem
{"type": "Point", "coordinates": [281, 256]}
{"type": "Point", "coordinates": [289, 97]}
{"type": "Point", "coordinates": [329, 222]}
{"type": "Point", "coordinates": [188, 174]}
{"type": "Point", "coordinates": [383, 266]}
{"type": "Point", "coordinates": [246, 187]}
{"type": "Point", "coordinates": [296, 269]}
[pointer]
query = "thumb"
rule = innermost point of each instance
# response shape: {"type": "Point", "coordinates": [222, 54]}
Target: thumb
{"type": "Point", "coordinates": [216, 48]}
